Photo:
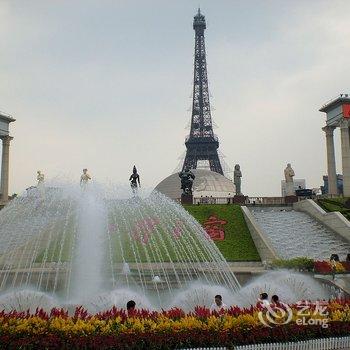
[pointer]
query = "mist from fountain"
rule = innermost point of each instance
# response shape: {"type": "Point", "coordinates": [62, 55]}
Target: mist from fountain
{"type": "Point", "coordinates": [100, 246]}
{"type": "Point", "coordinates": [27, 300]}
{"type": "Point", "coordinates": [289, 286]}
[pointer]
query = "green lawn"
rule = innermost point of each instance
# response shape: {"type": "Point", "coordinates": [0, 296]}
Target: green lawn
{"type": "Point", "coordinates": [238, 244]}
{"type": "Point", "coordinates": [335, 204]}
{"type": "Point", "coordinates": [162, 243]}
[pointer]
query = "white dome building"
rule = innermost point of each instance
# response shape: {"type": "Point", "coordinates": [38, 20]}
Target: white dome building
{"type": "Point", "coordinates": [206, 184]}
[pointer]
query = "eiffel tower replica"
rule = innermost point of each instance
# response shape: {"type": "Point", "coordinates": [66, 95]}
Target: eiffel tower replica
{"type": "Point", "coordinates": [201, 143]}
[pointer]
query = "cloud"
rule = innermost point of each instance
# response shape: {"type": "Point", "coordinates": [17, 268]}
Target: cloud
{"type": "Point", "coordinates": [105, 85]}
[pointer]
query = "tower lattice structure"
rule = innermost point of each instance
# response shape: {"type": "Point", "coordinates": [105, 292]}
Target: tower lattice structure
{"type": "Point", "coordinates": [201, 143]}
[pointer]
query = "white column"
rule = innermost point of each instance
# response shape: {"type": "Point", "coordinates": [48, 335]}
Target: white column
{"type": "Point", "coordinates": [5, 167]}
{"type": "Point", "coordinates": [345, 150]}
{"type": "Point", "coordinates": [331, 167]}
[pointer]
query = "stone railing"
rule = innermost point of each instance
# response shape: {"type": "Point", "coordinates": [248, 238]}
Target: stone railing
{"type": "Point", "coordinates": [265, 201]}
{"type": "Point", "coordinates": [262, 242]}
{"type": "Point", "coordinates": [212, 200]}
{"type": "Point", "coordinates": [333, 220]}
{"type": "Point", "coordinates": [251, 201]}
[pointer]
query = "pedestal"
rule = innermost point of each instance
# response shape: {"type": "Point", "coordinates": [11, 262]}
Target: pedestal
{"type": "Point", "coordinates": [186, 199]}
{"type": "Point", "coordinates": [239, 199]}
{"type": "Point", "coordinates": [290, 199]}
{"type": "Point", "coordinates": [290, 189]}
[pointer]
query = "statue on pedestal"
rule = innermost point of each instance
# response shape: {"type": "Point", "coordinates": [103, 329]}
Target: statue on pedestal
{"type": "Point", "coordinates": [289, 174]}
{"type": "Point", "coordinates": [84, 178]}
{"type": "Point", "coordinates": [40, 178]}
{"type": "Point", "coordinates": [187, 178]}
{"type": "Point", "coordinates": [41, 184]}
{"type": "Point", "coordinates": [135, 180]}
{"type": "Point", "coordinates": [237, 175]}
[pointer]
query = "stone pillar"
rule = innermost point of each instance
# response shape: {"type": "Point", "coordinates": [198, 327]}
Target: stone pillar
{"type": "Point", "coordinates": [5, 168]}
{"type": "Point", "coordinates": [345, 152]}
{"type": "Point", "coordinates": [331, 168]}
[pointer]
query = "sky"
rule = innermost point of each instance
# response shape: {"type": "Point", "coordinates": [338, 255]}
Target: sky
{"type": "Point", "coordinates": [107, 84]}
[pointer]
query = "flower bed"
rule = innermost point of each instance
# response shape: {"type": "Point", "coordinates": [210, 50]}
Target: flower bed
{"type": "Point", "coordinates": [327, 267]}
{"type": "Point", "coordinates": [170, 329]}
{"type": "Point", "coordinates": [310, 265]}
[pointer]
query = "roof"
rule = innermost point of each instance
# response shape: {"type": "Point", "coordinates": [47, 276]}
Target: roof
{"type": "Point", "coordinates": [6, 117]}
{"type": "Point", "coordinates": [207, 183]}
{"type": "Point", "coordinates": [343, 98]}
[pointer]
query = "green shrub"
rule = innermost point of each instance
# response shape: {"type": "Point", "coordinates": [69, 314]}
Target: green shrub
{"type": "Point", "coordinates": [299, 263]}
{"type": "Point", "coordinates": [335, 204]}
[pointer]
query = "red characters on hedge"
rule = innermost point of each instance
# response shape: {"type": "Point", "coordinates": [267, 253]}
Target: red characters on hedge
{"type": "Point", "coordinates": [214, 228]}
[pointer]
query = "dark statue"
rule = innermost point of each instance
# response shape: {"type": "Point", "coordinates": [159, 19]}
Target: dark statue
{"type": "Point", "coordinates": [187, 178]}
{"type": "Point", "coordinates": [134, 180]}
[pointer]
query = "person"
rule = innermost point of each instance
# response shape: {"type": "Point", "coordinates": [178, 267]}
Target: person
{"type": "Point", "coordinates": [334, 257]}
{"type": "Point", "coordinates": [263, 300]}
{"type": "Point", "coordinates": [275, 301]}
{"type": "Point", "coordinates": [334, 261]}
{"type": "Point", "coordinates": [278, 311]}
{"type": "Point", "coordinates": [218, 305]}
{"type": "Point", "coordinates": [130, 306]}
{"type": "Point", "coordinates": [348, 257]}
{"type": "Point", "coordinates": [84, 178]}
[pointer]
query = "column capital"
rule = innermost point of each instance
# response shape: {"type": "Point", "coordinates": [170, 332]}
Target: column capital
{"type": "Point", "coordinates": [6, 139]}
{"type": "Point", "coordinates": [344, 123]}
{"type": "Point", "coordinates": [328, 129]}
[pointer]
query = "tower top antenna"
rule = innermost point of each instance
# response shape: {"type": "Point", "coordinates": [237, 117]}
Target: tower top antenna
{"type": "Point", "coordinates": [199, 20]}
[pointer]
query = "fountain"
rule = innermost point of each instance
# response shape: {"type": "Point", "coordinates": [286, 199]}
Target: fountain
{"type": "Point", "coordinates": [84, 245]}
{"type": "Point", "coordinates": [100, 246]}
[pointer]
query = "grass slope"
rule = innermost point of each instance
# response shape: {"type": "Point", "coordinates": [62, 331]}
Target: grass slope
{"type": "Point", "coordinates": [238, 244]}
